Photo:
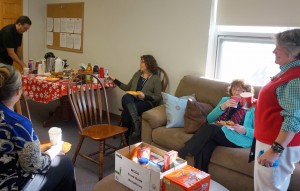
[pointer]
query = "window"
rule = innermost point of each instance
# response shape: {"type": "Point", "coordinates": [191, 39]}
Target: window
{"type": "Point", "coordinates": [245, 53]}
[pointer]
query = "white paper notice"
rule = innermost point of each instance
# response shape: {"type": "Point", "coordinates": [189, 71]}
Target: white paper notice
{"type": "Point", "coordinates": [63, 25]}
{"type": "Point", "coordinates": [70, 25]}
{"type": "Point", "coordinates": [50, 38]}
{"type": "Point", "coordinates": [56, 24]}
{"type": "Point", "coordinates": [78, 25]}
{"type": "Point", "coordinates": [49, 24]}
{"type": "Point", "coordinates": [77, 41]}
{"type": "Point", "coordinates": [63, 40]}
{"type": "Point", "coordinates": [70, 41]}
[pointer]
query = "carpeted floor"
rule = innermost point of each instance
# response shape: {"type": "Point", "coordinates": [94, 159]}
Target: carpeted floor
{"type": "Point", "coordinates": [86, 171]}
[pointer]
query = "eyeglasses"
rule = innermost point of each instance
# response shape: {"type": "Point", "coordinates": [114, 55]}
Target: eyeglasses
{"type": "Point", "coordinates": [238, 90]}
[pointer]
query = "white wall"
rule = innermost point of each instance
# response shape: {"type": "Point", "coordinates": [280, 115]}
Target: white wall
{"type": "Point", "coordinates": [118, 32]}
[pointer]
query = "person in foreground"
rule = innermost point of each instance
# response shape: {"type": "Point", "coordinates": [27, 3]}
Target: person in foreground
{"type": "Point", "coordinates": [277, 117]}
{"type": "Point", "coordinates": [146, 85]}
{"type": "Point", "coordinates": [214, 133]}
{"type": "Point", "coordinates": [23, 165]}
{"type": "Point", "coordinates": [11, 41]}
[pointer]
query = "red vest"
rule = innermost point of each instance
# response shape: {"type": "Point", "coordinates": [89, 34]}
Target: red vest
{"type": "Point", "coordinates": [268, 120]}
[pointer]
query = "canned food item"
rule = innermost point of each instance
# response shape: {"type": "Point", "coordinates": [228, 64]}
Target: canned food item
{"type": "Point", "coordinates": [30, 65]}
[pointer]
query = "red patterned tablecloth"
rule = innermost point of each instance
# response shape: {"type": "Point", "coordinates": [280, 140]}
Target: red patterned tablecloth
{"type": "Point", "coordinates": [41, 90]}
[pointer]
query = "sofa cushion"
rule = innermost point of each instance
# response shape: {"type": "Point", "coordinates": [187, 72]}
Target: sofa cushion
{"type": "Point", "coordinates": [175, 108]}
{"type": "Point", "coordinates": [235, 159]}
{"type": "Point", "coordinates": [195, 115]}
{"type": "Point", "coordinates": [172, 138]}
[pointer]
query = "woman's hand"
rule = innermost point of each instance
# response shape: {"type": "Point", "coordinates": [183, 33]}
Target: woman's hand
{"type": "Point", "coordinates": [239, 129]}
{"type": "Point", "coordinates": [228, 103]}
{"type": "Point", "coordinates": [111, 77]}
{"type": "Point", "coordinates": [141, 95]}
{"type": "Point", "coordinates": [268, 158]}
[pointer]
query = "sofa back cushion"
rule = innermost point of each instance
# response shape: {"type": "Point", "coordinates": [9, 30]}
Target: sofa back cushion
{"type": "Point", "coordinates": [195, 115]}
{"type": "Point", "coordinates": [207, 90]}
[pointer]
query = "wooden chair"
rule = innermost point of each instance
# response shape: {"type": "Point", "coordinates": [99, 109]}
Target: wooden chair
{"type": "Point", "coordinates": [87, 100]}
{"type": "Point", "coordinates": [164, 84]}
{"type": "Point", "coordinates": [22, 108]}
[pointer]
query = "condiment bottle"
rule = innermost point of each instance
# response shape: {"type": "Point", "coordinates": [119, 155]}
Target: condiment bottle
{"type": "Point", "coordinates": [88, 70]}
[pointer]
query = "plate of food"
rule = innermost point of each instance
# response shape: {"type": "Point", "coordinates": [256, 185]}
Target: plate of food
{"type": "Point", "coordinates": [52, 79]}
{"type": "Point", "coordinates": [229, 124]}
{"type": "Point", "coordinates": [132, 92]}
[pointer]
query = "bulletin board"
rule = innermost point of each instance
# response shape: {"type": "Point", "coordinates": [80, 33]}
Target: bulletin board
{"type": "Point", "coordinates": [65, 11]}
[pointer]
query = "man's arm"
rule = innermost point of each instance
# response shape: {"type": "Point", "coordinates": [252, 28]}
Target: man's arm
{"type": "Point", "coordinates": [18, 58]}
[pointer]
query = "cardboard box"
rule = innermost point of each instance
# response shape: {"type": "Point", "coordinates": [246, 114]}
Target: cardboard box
{"type": "Point", "coordinates": [135, 176]}
{"type": "Point", "coordinates": [186, 178]}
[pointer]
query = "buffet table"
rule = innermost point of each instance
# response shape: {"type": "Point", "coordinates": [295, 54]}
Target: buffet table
{"type": "Point", "coordinates": [42, 89]}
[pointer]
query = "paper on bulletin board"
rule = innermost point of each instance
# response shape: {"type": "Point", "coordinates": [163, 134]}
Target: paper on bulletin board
{"type": "Point", "coordinates": [77, 25]}
{"type": "Point", "coordinates": [50, 38]}
{"type": "Point", "coordinates": [63, 25]}
{"type": "Point", "coordinates": [49, 24]}
{"type": "Point", "coordinates": [70, 25]}
{"type": "Point", "coordinates": [56, 25]}
{"type": "Point", "coordinates": [77, 41]}
{"type": "Point", "coordinates": [70, 40]}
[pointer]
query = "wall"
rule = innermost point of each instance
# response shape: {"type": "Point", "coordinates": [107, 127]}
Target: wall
{"type": "Point", "coordinates": [118, 32]}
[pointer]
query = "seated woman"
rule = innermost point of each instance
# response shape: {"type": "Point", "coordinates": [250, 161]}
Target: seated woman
{"type": "Point", "coordinates": [147, 94]}
{"type": "Point", "coordinates": [211, 134]}
{"type": "Point", "coordinates": [23, 165]}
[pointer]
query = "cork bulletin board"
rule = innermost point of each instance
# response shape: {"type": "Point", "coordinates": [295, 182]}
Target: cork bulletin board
{"type": "Point", "coordinates": [65, 38]}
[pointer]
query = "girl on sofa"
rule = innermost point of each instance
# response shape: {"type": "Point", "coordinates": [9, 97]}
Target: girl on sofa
{"type": "Point", "coordinates": [216, 133]}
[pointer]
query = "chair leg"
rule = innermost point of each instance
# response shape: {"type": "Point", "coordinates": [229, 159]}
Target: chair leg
{"type": "Point", "coordinates": [123, 139]}
{"type": "Point", "coordinates": [101, 155]}
{"type": "Point", "coordinates": [78, 149]}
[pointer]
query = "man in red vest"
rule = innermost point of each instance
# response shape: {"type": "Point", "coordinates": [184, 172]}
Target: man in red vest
{"type": "Point", "coordinates": [277, 118]}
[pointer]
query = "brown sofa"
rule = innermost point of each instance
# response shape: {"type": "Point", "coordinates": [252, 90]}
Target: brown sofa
{"type": "Point", "coordinates": [228, 166]}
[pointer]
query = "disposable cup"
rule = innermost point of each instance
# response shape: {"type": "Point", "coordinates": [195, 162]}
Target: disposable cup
{"type": "Point", "coordinates": [247, 99]}
{"type": "Point", "coordinates": [236, 99]}
{"type": "Point", "coordinates": [26, 71]}
{"type": "Point", "coordinates": [55, 135]}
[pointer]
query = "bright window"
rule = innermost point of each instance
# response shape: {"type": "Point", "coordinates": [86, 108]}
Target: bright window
{"type": "Point", "coordinates": [245, 53]}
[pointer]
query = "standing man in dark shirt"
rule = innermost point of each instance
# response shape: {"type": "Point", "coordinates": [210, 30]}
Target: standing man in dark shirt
{"type": "Point", "coordinates": [11, 40]}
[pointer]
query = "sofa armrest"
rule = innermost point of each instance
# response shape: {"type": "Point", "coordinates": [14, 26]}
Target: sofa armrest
{"type": "Point", "coordinates": [151, 119]}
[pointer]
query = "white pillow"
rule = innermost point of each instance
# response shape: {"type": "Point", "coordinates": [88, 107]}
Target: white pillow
{"type": "Point", "coordinates": [175, 108]}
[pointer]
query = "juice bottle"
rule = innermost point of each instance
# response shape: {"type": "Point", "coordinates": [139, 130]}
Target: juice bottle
{"type": "Point", "coordinates": [88, 70]}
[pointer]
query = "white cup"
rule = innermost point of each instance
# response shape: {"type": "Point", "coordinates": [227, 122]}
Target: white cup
{"type": "Point", "coordinates": [26, 71]}
{"type": "Point", "coordinates": [55, 135]}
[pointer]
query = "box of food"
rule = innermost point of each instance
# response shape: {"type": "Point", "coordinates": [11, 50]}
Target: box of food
{"type": "Point", "coordinates": [138, 177]}
{"type": "Point", "coordinates": [186, 178]}
{"type": "Point", "coordinates": [169, 159]}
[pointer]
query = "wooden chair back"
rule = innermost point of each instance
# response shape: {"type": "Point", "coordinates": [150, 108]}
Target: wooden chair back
{"type": "Point", "coordinates": [164, 78]}
{"type": "Point", "coordinates": [22, 108]}
{"type": "Point", "coordinates": [88, 99]}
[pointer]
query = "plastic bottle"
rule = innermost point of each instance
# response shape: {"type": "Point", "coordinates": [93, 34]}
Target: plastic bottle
{"type": "Point", "coordinates": [95, 72]}
{"type": "Point", "coordinates": [88, 70]}
{"type": "Point", "coordinates": [30, 65]}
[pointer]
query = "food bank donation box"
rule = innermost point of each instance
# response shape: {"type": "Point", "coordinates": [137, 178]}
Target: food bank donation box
{"type": "Point", "coordinates": [140, 177]}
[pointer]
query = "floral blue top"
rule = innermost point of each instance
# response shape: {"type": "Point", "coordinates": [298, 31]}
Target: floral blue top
{"type": "Point", "coordinates": [20, 154]}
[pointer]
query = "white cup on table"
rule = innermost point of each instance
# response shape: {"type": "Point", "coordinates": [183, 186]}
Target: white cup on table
{"type": "Point", "coordinates": [25, 71]}
{"type": "Point", "coordinates": [55, 135]}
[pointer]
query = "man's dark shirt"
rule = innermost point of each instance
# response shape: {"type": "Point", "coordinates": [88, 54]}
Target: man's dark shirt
{"type": "Point", "coordinates": [9, 38]}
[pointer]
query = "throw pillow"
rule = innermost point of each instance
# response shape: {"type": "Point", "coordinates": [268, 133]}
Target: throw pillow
{"type": "Point", "coordinates": [175, 108]}
{"type": "Point", "coordinates": [195, 115]}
